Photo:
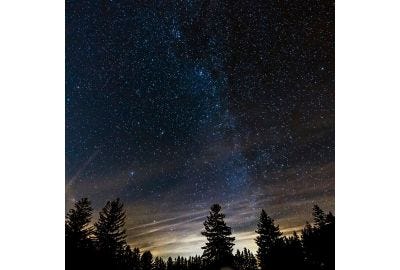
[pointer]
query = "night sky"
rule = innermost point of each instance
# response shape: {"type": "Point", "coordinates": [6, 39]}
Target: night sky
{"type": "Point", "coordinates": [175, 105]}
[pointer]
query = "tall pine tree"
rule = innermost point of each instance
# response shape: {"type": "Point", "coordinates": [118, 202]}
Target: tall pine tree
{"type": "Point", "coordinates": [110, 232]}
{"type": "Point", "coordinates": [159, 264]}
{"type": "Point", "coordinates": [136, 259]}
{"type": "Point", "coordinates": [319, 240]}
{"type": "Point", "coordinates": [218, 248]}
{"type": "Point", "coordinates": [77, 225]}
{"type": "Point", "coordinates": [170, 264]}
{"type": "Point", "coordinates": [146, 261]}
{"type": "Point", "coordinates": [78, 233]}
{"type": "Point", "coordinates": [268, 240]}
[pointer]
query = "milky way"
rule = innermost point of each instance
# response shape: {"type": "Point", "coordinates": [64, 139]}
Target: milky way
{"type": "Point", "coordinates": [175, 105]}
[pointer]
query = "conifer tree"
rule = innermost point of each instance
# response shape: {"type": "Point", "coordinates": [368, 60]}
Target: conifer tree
{"type": "Point", "coordinates": [238, 260]}
{"type": "Point", "coordinates": [329, 233]}
{"type": "Point", "coordinates": [245, 260]}
{"type": "Point", "coordinates": [146, 261]}
{"type": "Point", "coordinates": [293, 252]}
{"type": "Point", "coordinates": [194, 263]}
{"type": "Point", "coordinates": [319, 216]}
{"type": "Point", "coordinates": [268, 240]}
{"type": "Point", "coordinates": [218, 248]}
{"type": "Point", "coordinates": [78, 232]}
{"type": "Point", "coordinates": [110, 232]}
{"type": "Point", "coordinates": [319, 240]}
{"type": "Point", "coordinates": [136, 259]}
{"type": "Point", "coordinates": [250, 262]}
{"type": "Point", "coordinates": [77, 225]}
{"type": "Point", "coordinates": [159, 264]}
{"type": "Point", "coordinates": [170, 263]}
{"type": "Point", "coordinates": [127, 259]}
{"type": "Point", "coordinates": [177, 263]}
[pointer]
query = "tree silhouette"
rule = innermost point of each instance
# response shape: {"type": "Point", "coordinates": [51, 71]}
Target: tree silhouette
{"type": "Point", "coordinates": [292, 252]}
{"type": "Point", "coordinates": [146, 261]}
{"type": "Point", "coordinates": [268, 241]}
{"type": "Point", "coordinates": [180, 263]}
{"type": "Point", "coordinates": [319, 240]}
{"type": "Point", "coordinates": [110, 233]}
{"type": "Point", "coordinates": [136, 259]}
{"type": "Point", "coordinates": [319, 216]}
{"type": "Point", "coordinates": [78, 232]}
{"type": "Point", "coordinates": [238, 259]}
{"type": "Point", "coordinates": [195, 263]}
{"type": "Point", "coordinates": [329, 238]}
{"type": "Point", "coordinates": [218, 248]}
{"type": "Point", "coordinates": [130, 260]}
{"type": "Point", "coordinates": [104, 246]}
{"type": "Point", "coordinates": [245, 260]}
{"type": "Point", "coordinates": [159, 264]}
{"type": "Point", "coordinates": [77, 224]}
{"type": "Point", "coordinates": [170, 264]}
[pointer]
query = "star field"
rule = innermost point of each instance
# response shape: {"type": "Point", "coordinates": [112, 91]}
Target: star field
{"type": "Point", "coordinates": [175, 105]}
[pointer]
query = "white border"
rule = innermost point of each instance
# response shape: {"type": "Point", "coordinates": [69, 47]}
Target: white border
{"type": "Point", "coordinates": [32, 134]}
{"type": "Point", "coordinates": [367, 134]}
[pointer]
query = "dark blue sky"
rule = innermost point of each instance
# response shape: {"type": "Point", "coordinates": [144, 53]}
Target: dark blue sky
{"type": "Point", "coordinates": [175, 105]}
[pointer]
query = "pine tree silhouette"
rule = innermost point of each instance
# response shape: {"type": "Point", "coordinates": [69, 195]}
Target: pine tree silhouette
{"type": "Point", "coordinates": [329, 232]}
{"type": "Point", "coordinates": [218, 248]}
{"type": "Point", "coordinates": [77, 224]}
{"type": "Point", "coordinates": [136, 259]}
{"type": "Point", "coordinates": [170, 264]}
{"type": "Point", "coordinates": [78, 233]}
{"type": "Point", "coordinates": [245, 260]}
{"type": "Point", "coordinates": [268, 240]}
{"type": "Point", "coordinates": [127, 259]}
{"type": "Point", "coordinates": [110, 232]}
{"type": "Point", "coordinates": [238, 260]}
{"type": "Point", "coordinates": [146, 261]}
{"type": "Point", "coordinates": [250, 262]}
{"type": "Point", "coordinates": [319, 216]}
{"type": "Point", "coordinates": [130, 260]}
{"type": "Point", "coordinates": [292, 251]}
{"type": "Point", "coordinates": [194, 263]}
{"type": "Point", "coordinates": [105, 247]}
{"type": "Point", "coordinates": [319, 240]}
{"type": "Point", "coordinates": [159, 264]}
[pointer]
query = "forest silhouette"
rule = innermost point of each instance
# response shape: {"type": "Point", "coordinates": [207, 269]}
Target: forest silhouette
{"type": "Point", "coordinates": [103, 245]}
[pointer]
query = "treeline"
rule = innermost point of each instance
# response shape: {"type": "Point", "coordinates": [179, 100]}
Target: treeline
{"type": "Point", "coordinates": [103, 245]}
